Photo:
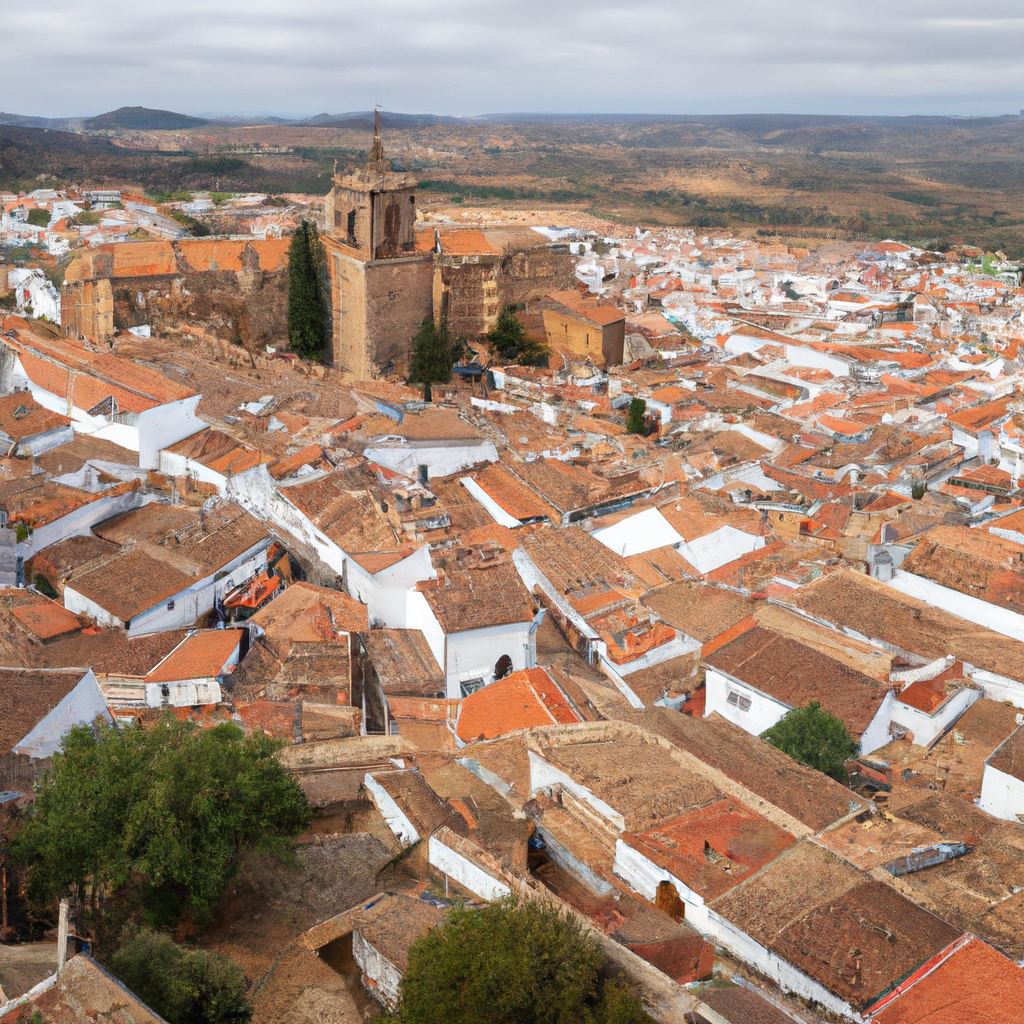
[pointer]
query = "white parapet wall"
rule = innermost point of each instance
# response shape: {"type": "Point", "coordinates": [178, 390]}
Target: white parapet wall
{"type": "Point", "coordinates": [465, 872]}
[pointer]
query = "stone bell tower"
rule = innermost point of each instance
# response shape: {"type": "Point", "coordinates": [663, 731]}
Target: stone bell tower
{"type": "Point", "coordinates": [374, 210]}
{"type": "Point", "coordinates": [381, 286]}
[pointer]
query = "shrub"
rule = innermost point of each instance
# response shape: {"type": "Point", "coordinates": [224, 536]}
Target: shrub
{"type": "Point", "coordinates": [39, 218]}
{"type": "Point", "coordinates": [635, 416]}
{"type": "Point", "coordinates": [183, 986]}
{"type": "Point", "coordinates": [520, 963]}
{"type": "Point", "coordinates": [814, 738]}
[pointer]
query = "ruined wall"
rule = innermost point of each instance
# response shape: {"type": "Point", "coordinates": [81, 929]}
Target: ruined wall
{"type": "Point", "coordinates": [349, 217]}
{"type": "Point", "coordinates": [531, 274]}
{"type": "Point", "coordinates": [394, 223]}
{"type": "Point", "coordinates": [468, 294]}
{"type": "Point", "coordinates": [244, 307]}
{"type": "Point", "coordinates": [348, 310]}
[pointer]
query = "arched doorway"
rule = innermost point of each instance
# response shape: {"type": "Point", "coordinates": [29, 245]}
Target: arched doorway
{"type": "Point", "coordinates": [502, 667]}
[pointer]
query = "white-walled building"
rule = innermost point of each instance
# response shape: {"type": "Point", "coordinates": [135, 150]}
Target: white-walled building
{"type": "Point", "coordinates": [175, 565]}
{"type": "Point", "coordinates": [757, 678]}
{"type": "Point", "coordinates": [106, 397]}
{"type": "Point", "coordinates": [1002, 785]}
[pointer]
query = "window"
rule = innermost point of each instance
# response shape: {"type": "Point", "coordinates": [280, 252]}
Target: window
{"type": "Point", "coordinates": [352, 225]}
{"type": "Point", "coordinates": [738, 700]}
{"type": "Point", "coordinates": [170, 606]}
{"type": "Point", "coordinates": [470, 686]}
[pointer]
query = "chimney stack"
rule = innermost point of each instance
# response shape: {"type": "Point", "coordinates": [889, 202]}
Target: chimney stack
{"type": "Point", "coordinates": [62, 936]}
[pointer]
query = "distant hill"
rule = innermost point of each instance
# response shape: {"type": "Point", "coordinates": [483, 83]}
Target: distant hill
{"type": "Point", "coordinates": [388, 119]}
{"type": "Point", "coordinates": [142, 119]}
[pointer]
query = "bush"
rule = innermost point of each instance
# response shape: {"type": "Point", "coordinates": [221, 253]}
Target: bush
{"type": "Point", "coordinates": [433, 355]}
{"type": "Point", "coordinates": [87, 217]}
{"type": "Point", "coordinates": [814, 738]}
{"type": "Point", "coordinates": [635, 417]}
{"type": "Point", "coordinates": [183, 986]}
{"type": "Point", "coordinates": [511, 964]}
{"type": "Point", "coordinates": [39, 218]}
{"type": "Point", "coordinates": [509, 339]}
{"type": "Point", "coordinates": [172, 805]}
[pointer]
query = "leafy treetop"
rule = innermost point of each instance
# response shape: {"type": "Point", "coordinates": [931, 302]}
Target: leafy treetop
{"type": "Point", "coordinates": [509, 339]}
{"type": "Point", "coordinates": [511, 963]}
{"type": "Point", "coordinates": [814, 738]}
{"type": "Point", "coordinates": [172, 803]}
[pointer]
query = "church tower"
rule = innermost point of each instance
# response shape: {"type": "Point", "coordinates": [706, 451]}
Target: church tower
{"type": "Point", "coordinates": [381, 287]}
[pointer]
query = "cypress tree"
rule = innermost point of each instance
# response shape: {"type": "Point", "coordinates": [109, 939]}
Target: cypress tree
{"type": "Point", "coordinates": [307, 318]}
{"type": "Point", "coordinates": [433, 354]}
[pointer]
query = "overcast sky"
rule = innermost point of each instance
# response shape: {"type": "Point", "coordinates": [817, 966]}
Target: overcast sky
{"type": "Point", "coordinates": [302, 57]}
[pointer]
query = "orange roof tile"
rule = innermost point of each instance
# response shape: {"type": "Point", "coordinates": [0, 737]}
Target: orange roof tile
{"type": "Point", "coordinates": [522, 700]}
{"type": "Point", "coordinates": [967, 983]}
{"type": "Point", "coordinates": [46, 619]}
{"type": "Point", "coordinates": [201, 656]}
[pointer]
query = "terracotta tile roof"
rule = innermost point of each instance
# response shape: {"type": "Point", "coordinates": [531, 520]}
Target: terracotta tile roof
{"type": "Point", "coordinates": [110, 652]}
{"type": "Point", "coordinates": [853, 600]}
{"type": "Point", "coordinates": [737, 1003]}
{"type": "Point", "coordinates": [713, 848]}
{"type": "Point", "coordinates": [816, 800]}
{"type": "Point", "coordinates": [599, 312]}
{"type": "Point", "coordinates": [172, 547]}
{"type": "Point", "coordinates": [855, 936]}
{"type": "Point", "coordinates": [474, 590]}
{"type": "Point", "coordinates": [46, 620]}
{"type": "Point", "coordinates": [641, 781]}
{"type": "Point", "coordinates": [201, 656]}
{"type": "Point", "coordinates": [967, 983]}
{"type": "Point", "coordinates": [84, 377]}
{"type": "Point", "coordinates": [522, 700]}
{"type": "Point", "coordinates": [1009, 758]}
{"type": "Point", "coordinates": [27, 696]}
{"type": "Point", "coordinates": [981, 417]}
{"type": "Point", "coordinates": [347, 509]}
{"type": "Point", "coordinates": [305, 612]}
{"type": "Point", "coordinates": [572, 559]}
{"type": "Point", "coordinates": [518, 500]}
{"type": "Point", "coordinates": [403, 662]}
{"type": "Point", "coordinates": [973, 562]}
{"type": "Point", "coordinates": [303, 457]}
{"type": "Point", "coordinates": [795, 674]}
{"type": "Point", "coordinates": [21, 416]}
{"type": "Point", "coordinates": [394, 923]}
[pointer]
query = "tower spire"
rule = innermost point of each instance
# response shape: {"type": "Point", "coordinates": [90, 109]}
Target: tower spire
{"type": "Point", "coordinates": [377, 151]}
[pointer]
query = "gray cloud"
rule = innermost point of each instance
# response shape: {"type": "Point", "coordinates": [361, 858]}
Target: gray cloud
{"type": "Point", "coordinates": [462, 57]}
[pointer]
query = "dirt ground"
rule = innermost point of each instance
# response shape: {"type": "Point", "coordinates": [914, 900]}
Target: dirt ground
{"type": "Point", "coordinates": [268, 904]}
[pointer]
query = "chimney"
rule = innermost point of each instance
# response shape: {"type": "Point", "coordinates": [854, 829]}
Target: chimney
{"type": "Point", "coordinates": [62, 936]}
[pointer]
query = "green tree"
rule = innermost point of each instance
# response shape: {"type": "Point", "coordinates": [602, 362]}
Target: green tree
{"type": "Point", "coordinates": [433, 354]}
{"type": "Point", "coordinates": [39, 218]}
{"type": "Point", "coordinates": [511, 963]}
{"type": "Point", "coordinates": [509, 339]}
{"type": "Point", "coordinates": [173, 804]}
{"type": "Point", "coordinates": [814, 738]}
{"type": "Point", "coordinates": [635, 416]}
{"type": "Point", "coordinates": [307, 312]}
{"type": "Point", "coordinates": [184, 986]}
